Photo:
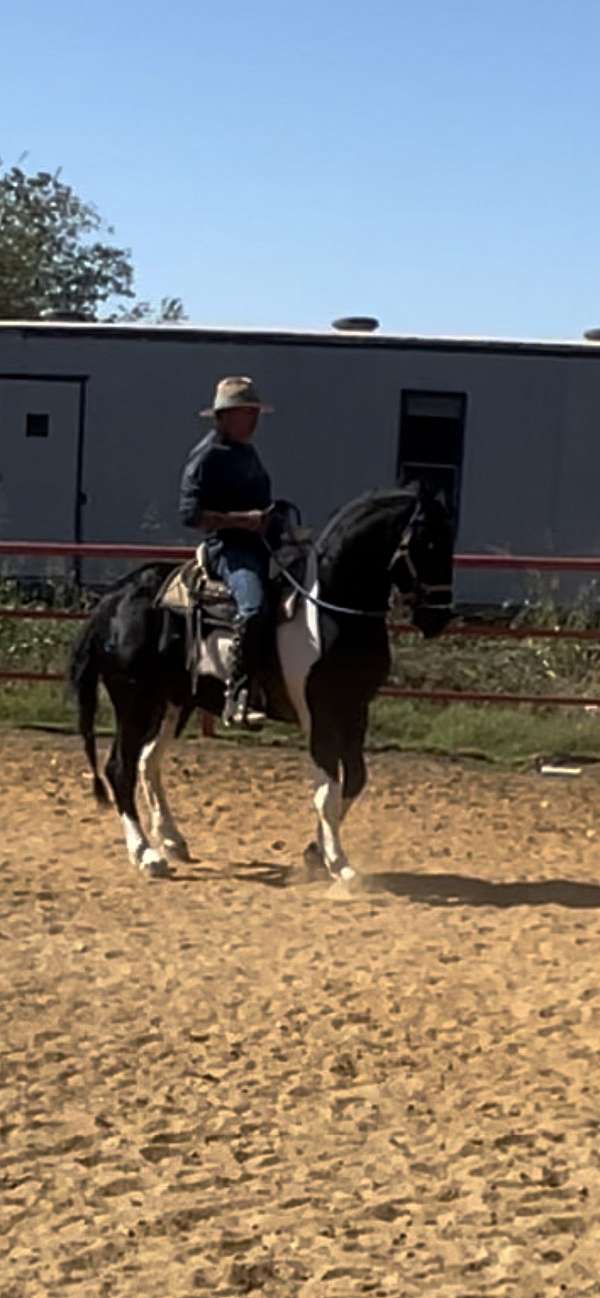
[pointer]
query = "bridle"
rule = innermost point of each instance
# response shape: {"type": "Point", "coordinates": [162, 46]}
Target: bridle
{"type": "Point", "coordinates": [422, 590]}
{"type": "Point", "coordinates": [428, 594]}
{"type": "Point", "coordinates": [403, 555]}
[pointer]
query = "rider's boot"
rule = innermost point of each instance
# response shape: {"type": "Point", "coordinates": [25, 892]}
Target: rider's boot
{"type": "Point", "coordinates": [238, 710]}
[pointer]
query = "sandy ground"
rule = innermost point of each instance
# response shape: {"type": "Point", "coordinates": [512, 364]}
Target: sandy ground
{"type": "Point", "coordinates": [234, 1083]}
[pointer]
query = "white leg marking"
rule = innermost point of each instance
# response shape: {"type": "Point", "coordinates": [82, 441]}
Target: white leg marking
{"type": "Point", "coordinates": [163, 828]}
{"type": "Point", "coordinates": [330, 810]}
{"type": "Point", "coordinates": [314, 853]}
{"type": "Point", "coordinates": [134, 838]}
{"type": "Point", "coordinates": [147, 859]}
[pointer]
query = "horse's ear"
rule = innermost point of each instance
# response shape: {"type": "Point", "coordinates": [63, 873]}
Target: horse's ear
{"type": "Point", "coordinates": [432, 495]}
{"type": "Point", "coordinates": [422, 489]}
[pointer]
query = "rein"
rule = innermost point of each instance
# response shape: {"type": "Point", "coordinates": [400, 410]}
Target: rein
{"type": "Point", "coordinates": [314, 599]}
{"type": "Point", "coordinates": [402, 552]}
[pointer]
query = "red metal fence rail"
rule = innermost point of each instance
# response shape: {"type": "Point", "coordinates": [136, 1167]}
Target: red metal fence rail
{"type": "Point", "coordinates": [496, 562]}
{"type": "Point", "coordinates": [148, 553]}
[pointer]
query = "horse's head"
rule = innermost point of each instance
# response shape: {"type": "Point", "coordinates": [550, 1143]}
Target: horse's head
{"type": "Point", "coordinates": [421, 566]}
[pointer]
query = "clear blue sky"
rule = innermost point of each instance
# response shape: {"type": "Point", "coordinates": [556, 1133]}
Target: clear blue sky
{"type": "Point", "coordinates": [434, 163]}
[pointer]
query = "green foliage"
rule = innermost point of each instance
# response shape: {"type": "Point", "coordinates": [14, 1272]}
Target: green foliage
{"type": "Point", "coordinates": [56, 260]}
{"type": "Point", "coordinates": [506, 734]}
{"type": "Point", "coordinates": [524, 666]}
{"type": "Point", "coordinates": [31, 644]}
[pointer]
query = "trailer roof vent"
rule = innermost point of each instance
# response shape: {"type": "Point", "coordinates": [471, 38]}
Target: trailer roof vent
{"type": "Point", "coordinates": [66, 317]}
{"type": "Point", "coordinates": [350, 324]}
{"type": "Point", "coordinates": [592, 335]}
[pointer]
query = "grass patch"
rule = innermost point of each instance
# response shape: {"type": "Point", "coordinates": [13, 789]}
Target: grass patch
{"type": "Point", "coordinates": [510, 735]}
{"type": "Point", "coordinates": [30, 704]}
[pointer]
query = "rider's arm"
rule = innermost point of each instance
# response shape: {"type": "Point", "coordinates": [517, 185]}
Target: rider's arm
{"type": "Point", "coordinates": [198, 489]}
{"type": "Point", "coordinates": [250, 520]}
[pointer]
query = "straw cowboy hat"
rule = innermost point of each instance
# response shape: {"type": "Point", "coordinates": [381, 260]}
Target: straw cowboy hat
{"type": "Point", "coordinates": [233, 392]}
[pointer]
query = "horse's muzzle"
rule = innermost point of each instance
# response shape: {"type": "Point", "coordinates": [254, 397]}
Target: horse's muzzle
{"type": "Point", "coordinates": [431, 619]}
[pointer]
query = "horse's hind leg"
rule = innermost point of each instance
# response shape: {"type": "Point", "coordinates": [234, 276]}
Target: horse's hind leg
{"type": "Point", "coordinates": [121, 772]}
{"type": "Point", "coordinates": [163, 828]}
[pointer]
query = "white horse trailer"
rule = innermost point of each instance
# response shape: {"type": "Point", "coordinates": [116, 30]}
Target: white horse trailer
{"type": "Point", "coordinates": [96, 421]}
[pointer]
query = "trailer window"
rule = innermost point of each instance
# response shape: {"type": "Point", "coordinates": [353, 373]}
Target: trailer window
{"type": "Point", "coordinates": [37, 425]}
{"type": "Point", "coordinates": [431, 443]}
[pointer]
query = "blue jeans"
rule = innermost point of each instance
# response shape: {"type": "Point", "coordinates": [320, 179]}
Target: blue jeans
{"type": "Point", "coordinates": [245, 573]}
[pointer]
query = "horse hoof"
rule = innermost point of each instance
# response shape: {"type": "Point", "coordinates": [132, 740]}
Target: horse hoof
{"type": "Point", "coordinates": [176, 849]}
{"type": "Point", "coordinates": [154, 866]}
{"type": "Point", "coordinates": [345, 885]}
{"type": "Point", "coordinates": [345, 882]}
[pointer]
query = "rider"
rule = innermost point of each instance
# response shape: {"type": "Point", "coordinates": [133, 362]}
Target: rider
{"type": "Point", "coordinates": [226, 491]}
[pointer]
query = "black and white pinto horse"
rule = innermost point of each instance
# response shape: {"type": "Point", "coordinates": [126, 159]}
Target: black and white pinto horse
{"type": "Point", "coordinates": [324, 663]}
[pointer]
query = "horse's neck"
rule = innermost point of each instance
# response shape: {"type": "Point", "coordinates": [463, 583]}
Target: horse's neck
{"type": "Point", "coordinates": [354, 567]}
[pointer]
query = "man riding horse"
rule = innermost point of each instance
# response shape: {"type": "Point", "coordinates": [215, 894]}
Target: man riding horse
{"type": "Point", "coordinates": [328, 658]}
{"type": "Point", "coordinates": [226, 492]}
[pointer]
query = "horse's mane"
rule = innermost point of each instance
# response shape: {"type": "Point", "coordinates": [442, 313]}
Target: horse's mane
{"type": "Point", "coordinates": [351, 515]}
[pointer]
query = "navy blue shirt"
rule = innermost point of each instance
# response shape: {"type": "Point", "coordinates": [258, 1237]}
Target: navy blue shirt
{"type": "Point", "coordinates": [223, 477]}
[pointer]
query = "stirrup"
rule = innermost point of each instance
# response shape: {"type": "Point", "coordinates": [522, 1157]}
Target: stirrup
{"type": "Point", "coordinates": [238, 714]}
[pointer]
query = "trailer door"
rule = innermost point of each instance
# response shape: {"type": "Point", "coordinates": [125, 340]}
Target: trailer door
{"type": "Point", "coordinates": [41, 428]}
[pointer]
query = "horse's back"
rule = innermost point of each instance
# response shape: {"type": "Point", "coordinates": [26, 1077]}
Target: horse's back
{"type": "Point", "coordinates": [125, 622]}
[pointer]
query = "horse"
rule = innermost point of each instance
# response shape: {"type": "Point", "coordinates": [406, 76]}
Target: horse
{"type": "Point", "coordinates": [323, 663]}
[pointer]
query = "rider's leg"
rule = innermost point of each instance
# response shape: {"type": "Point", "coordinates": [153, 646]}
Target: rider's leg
{"type": "Point", "coordinates": [245, 573]}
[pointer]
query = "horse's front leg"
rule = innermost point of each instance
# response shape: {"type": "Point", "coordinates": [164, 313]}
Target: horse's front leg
{"type": "Point", "coordinates": [164, 831]}
{"type": "Point", "coordinates": [314, 852]}
{"type": "Point", "coordinates": [331, 810]}
{"type": "Point", "coordinates": [337, 749]}
{"type": "Point", "coordinates": [326, 752]}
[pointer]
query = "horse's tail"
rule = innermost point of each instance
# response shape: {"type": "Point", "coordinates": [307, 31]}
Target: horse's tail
{"type": "Point", "coordinates": [84, 674]}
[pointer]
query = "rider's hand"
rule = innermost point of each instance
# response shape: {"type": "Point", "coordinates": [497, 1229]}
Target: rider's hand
{"type": "Point", "coordinates": [256, 519]}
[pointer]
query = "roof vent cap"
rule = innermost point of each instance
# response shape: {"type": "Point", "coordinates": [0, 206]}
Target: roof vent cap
{"type": "Point", "coordinates": [350, 324]}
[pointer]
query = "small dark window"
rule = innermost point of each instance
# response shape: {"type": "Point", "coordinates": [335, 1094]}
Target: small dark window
{"type": "Point", "coordinates": [431, 442]}
{"type": "Point", "coordinates": [37, 425]}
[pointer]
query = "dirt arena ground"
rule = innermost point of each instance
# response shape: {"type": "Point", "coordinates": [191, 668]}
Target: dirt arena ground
{"type": "Point", "coordinates": [235, 1083]}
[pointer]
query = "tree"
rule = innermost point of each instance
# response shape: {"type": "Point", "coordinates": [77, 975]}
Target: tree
{"type": "Point", "coordinates": [54, 262]}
